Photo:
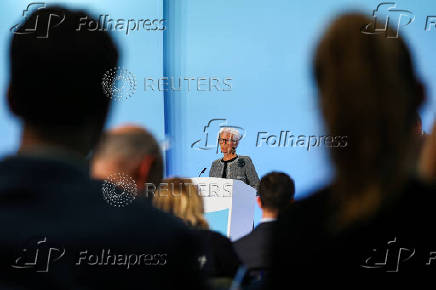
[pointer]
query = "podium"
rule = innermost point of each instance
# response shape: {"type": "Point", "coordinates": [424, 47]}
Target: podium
{"type": "Point", "coordinates": [228, 205]}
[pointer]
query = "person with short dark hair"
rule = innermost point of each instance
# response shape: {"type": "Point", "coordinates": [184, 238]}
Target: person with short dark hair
{"type": "Point", "coordinates": [276, 193]}
{"type": "Point", "coordinates": [57, 231]}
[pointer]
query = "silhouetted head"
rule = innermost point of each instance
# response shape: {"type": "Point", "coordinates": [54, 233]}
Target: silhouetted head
{"type": "Point", "coordinates": [276, 191]}
{"type": "Point", "coordinates": [131, 150]}
{"type": "Point", "coordinates": [369, 92]}
{"type": "Point", "coordinates": [56, 78]}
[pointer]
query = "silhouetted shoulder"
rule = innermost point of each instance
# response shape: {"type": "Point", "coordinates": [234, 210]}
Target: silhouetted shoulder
{"type": "Point", "coordinates": [254, 249]}
{"type": "Point", "coordinates": [55, 202]}
{"type": "Point", "coordinates": [305, 242]}
{"type": "Point", "coordinates": [221, 259]}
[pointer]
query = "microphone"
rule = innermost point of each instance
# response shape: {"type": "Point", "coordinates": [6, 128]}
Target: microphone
{"type": "Point", "coordinates": [204, 169]}
{"type": "Point", "coordinates": [233, 150]}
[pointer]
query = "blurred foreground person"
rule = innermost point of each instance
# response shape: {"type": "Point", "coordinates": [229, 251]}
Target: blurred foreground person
{"type": "Point", "coordinates": [132, 151]}
{"type": "Point", "coordinates": [181, 197]}
{"type": "Point", "coordinates": [369, 92]}
{"type": "Point", "coordinates": [57, 230]}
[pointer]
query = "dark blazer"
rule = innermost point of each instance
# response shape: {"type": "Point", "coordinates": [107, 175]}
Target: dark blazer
{"type": "Point", "coordinates": [55, 207]}
{"type": "Point", "coordinates": [407, 221]}
{"type": "Point", "coordinates": [217, 256]}
{"type": "Point", "coordinates": [254, 249]}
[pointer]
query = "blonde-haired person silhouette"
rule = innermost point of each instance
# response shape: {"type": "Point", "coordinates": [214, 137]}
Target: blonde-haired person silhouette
{"type": "Point", "coordinates": [181, 198]}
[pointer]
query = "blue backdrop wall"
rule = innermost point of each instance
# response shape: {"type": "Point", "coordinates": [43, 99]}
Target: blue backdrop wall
{"type": "Point", "coordinates": [266, 49]}
{"type": "Point", "coordinates": [248, 65]}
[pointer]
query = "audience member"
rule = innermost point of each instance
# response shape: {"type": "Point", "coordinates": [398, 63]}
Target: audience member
{"type": "Point", "coordinates": [181, 198]}
{"type": "Point", "coordinates": [133, 151]}
{"type": "Point", "coordinates": [275, 193]}
{"type": "Point", "coordinates": [369, 92]}
{"type": "Point", "coordinates": [57, 230]}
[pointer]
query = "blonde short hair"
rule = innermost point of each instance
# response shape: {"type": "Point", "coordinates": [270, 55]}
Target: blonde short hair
{"type": "Point", "coordinates": [182, 199]}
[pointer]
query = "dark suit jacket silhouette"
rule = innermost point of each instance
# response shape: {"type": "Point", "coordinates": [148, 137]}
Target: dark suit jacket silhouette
{"type": "Point", "coordinates": [254, 249]}
{"type": "Point", "coordinates": [302, 243]}
{"type": "Point", "coordinates": [220, 257]}
{"type": "Point", "coordinates": [50, 199]}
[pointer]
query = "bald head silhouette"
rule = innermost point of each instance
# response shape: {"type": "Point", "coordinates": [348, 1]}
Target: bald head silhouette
{"type": "Point", "coordinates": [129, 149]}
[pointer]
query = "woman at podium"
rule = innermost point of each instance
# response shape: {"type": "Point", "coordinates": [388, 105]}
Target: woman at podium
{"type": "Point", "coordinates": [233, 166]}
